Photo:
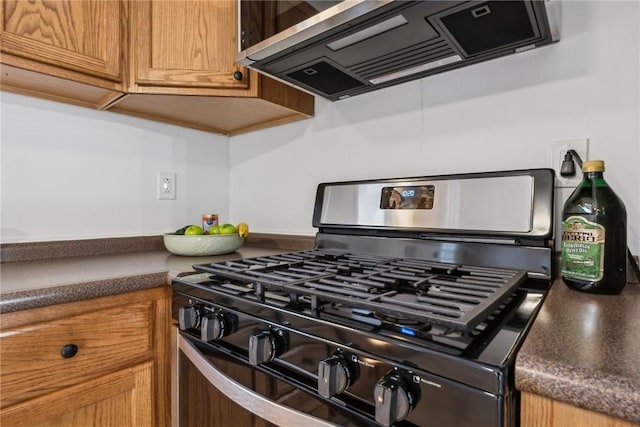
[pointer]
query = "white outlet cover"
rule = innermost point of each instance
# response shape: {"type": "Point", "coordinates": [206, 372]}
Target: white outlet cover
{"type": "Point", "coordinates": [166, 186]}
{"type": "Point", "coordinates": [558, 151]}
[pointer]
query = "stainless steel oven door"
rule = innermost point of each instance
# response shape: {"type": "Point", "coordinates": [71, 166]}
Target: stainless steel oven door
{"type": "Point", "coordinates": [216, 390]}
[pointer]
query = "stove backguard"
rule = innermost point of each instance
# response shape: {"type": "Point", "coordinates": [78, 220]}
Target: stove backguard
{"type": "Point", "coordinates": [491, 219]}
{"type": "Point", "coordinates": [515, 204]}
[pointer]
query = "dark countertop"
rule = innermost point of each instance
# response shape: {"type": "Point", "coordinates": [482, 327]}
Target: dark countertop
{"type": "Point", "coordinates": [38, 274]}
{"type": "Point", "coordinates": [584, 350]}
{"type": "Point", "coordinates": [39, 283]}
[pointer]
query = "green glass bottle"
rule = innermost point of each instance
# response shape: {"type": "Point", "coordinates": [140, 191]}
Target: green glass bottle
{"type": "Point", "coordinates": [594, 235]}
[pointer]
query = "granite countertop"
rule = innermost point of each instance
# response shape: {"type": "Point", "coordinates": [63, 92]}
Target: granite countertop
{"type": "Point", "coordinates": [48, 273]}
{"type": "Point", "coordinates": [31, 284]}
{"type": "Point", "coordinates": [584, 350]}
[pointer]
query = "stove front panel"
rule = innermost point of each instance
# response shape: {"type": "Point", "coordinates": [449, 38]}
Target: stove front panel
{"type": "Point", "coordinates": [438, 401]}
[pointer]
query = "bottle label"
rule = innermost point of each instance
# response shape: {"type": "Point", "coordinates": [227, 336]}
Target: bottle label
{"type": "Point", "coordinates": [582, 249]}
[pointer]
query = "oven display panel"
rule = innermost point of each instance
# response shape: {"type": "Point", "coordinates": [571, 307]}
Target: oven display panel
{"type": "Point", "coordinates": [407, 197]}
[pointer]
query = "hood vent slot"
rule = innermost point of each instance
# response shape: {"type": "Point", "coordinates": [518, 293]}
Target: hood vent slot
{"type": "Point", "coordinates": [325, 77]}
{"type": "Point", "coordinates": [408, 57]}
{"type": "Point", "coordinates": [491, 25]}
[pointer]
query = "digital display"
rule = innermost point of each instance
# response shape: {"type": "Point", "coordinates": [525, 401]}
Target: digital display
{"type": "Point", "coordinates": [407, 197]}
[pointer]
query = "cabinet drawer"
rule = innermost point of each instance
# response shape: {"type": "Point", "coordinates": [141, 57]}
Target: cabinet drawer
{"type": "Point", "coordinates": [31, 361]}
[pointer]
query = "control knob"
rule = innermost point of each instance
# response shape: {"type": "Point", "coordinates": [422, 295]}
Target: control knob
{"type": "Point", "coordinates": [189, 317]}
{"type": "Point", "coordinates": [334, 376]}
{"type": "Point", "coordinates": [264, 346]}
{"type": "Point", "coordinates": [213, 327]}
{"type": "Point", "coordinates": [394, 397]}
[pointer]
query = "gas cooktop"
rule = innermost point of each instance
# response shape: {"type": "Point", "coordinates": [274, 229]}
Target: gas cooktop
{"type": "Point", "coordinates": [416, 287]}
{"type": "Point", "coordinates": [433, 301]}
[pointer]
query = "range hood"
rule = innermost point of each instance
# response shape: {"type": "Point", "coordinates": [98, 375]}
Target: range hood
{"type": "Point", "coordinates": [356, 46]}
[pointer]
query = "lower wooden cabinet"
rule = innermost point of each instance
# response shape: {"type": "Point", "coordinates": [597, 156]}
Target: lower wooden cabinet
{"type": "Point", "coordinates": [123, 398]}
{"type": "Point", "coordinates": [99, 362]}
{"type": "Point", "coordinates": [538, 411]}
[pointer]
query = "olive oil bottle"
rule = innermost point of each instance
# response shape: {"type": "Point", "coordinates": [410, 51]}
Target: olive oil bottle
{"type": "Point", "coordinates": [594, 235]}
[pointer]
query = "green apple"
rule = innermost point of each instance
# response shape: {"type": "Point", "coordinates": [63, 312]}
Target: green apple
{"type": "Point", "coordinates": [228, 229]}
{"type": "Point", "coordinates": [193, 230]}
{"type": "Point", "coordinates": [214, 229]}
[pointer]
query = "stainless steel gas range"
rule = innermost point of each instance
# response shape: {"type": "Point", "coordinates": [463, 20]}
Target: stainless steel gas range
{"type": "Point", "coordinates": [409, 311]}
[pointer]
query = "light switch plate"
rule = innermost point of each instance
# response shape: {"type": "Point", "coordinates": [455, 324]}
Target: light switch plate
{"type": "Point", "coordinates": [166, 186]}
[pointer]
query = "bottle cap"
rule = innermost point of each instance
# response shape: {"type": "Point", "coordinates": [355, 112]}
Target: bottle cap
{"type": "Point", "coordinates": [593, 166]}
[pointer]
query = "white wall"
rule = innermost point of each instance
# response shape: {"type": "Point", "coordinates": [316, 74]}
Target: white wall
{"type": "Point", "coordinates": [501, 114]}
{"type": "Point", "coordinates": [72, 173]}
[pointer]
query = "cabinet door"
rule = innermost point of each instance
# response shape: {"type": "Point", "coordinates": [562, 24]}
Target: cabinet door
{"type": "Point", "coordinates": [185, 44]}
{"type": "Point", "coordinates": [117, 375]}
{"type": "Point", "coordinates": [539, 411]}
{"type": "Point", "coordinates": [105, 341]}
{"type": "Point", "coordinates": [120, 399]}
{"type": "Point", "coordinates": [84, 36]}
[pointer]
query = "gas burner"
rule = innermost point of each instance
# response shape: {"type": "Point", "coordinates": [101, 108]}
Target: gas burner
{"type": "Point", "coordinates": [399, 320]}
{"type": "Point", "coordinates": [383, 318]}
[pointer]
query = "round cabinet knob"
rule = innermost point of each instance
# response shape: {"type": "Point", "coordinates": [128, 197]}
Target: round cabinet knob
{"type": "Point", "coordinates": [334, 376]}
{"type": "Point", "coordinates": [238, 75]}
{"type": "Point", "coordinates": [188, 317]}
{"type": "Point", "coordinates": [212, 327]}
{"type": "Point", "coordinates": [394, 399]}
{"type": "Point", "coordinates": [69, 350]}
{"type": "Point", "coordinates": [262, 347]}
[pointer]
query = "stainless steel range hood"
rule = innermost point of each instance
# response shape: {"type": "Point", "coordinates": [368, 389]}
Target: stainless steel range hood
{"type": "Point", "coordinates": [357, 46]}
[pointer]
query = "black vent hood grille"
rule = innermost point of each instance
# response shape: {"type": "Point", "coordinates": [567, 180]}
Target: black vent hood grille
{"type": "Point", "coordinates": [410, 40]}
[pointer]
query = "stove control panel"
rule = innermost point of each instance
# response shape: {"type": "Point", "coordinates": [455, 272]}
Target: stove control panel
{"type": "Point", "coordinates": [395, 397]}
{"type": "Point", "coordinates": [264, 346]}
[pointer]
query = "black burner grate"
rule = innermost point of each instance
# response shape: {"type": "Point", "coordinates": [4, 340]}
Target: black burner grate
{"type": "Point", "coordinates": [455, 296]}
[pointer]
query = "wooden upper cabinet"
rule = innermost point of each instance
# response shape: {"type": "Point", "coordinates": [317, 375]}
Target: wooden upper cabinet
{"type": "Point", "coordinates": [185, 44]}
{"type": "Point", "coordinates": [182, 70]}
{"type": "Point", "coordinates": [166, 60]}
{"type": "Point", "coordinates": [80, 36]}
{"type": "Point", "coordinates": [64, 50]}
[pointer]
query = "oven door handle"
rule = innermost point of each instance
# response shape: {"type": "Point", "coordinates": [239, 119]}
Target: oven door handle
{"type": "Point", "coordinates": [250, 400]}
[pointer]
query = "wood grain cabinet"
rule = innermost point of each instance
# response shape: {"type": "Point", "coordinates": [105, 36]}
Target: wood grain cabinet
{"type": "Point", "coordinates": [184, 44]}
{"type": "Point", "coordinates": [64, 50]}
{"type": "Point", "coordinates": [539, 411]}
{"type": "Point", "coordinates": [99, 362]}
{"type": "Point", "coordinates": [183, 71]}
{"type": "Point", "coordinates": [166, 60]}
